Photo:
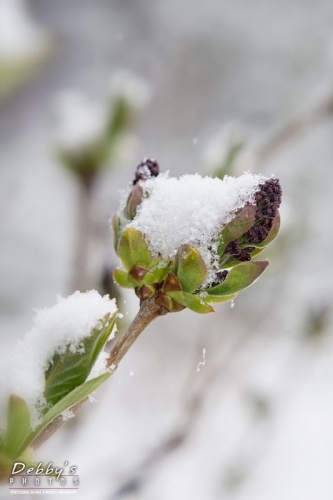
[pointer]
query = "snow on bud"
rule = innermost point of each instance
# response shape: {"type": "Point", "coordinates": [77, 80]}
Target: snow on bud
{"type": "Point", "coordinates": [190, 241]}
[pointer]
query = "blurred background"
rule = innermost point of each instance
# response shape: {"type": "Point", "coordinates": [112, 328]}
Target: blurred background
{"type": "Point", "coordinates": [233, 405]}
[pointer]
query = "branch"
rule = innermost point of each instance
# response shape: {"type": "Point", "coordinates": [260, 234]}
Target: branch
{"type": "Point", "coordinates": [149, 311]}
{"type": "Point", "coordinates": [296, 127]}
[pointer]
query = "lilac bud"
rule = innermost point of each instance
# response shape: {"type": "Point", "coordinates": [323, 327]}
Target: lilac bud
{"type": "Point", "coordinates": [146, 169]}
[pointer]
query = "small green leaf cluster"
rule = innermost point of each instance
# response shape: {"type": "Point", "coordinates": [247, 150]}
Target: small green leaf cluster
{"type": "Point", "coordinates": [66, 383]}
{"type": "Point", "coordinates": [180, 283]}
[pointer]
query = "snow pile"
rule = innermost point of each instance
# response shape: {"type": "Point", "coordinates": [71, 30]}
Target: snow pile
{"type": "Point", "coordinates": [67, 323]}
{"type": "Point", "coordinates": [191, 209]}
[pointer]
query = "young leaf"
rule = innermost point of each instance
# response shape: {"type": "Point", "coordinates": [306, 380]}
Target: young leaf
{"type": "Point", "coordinates": [160, 273]}
{"type": "Point", "coordinates": [134, 200]}
{"type": "Point", "coordinates": [196, 304]}
{"type": "Point", "coordinates": [79, 393]}
{"type": "Point", "coordinates": [212, 299]}
{"type": "Point", "coordinates": [71, 369]}
{"type": "Point", "coordinates": [18, 426]}
{"type": "Point", "coordinates": [121, 278]}
{"type": "Point", "coordinates": [239, 225]}
{"type": "Point", "coordinates": [239, 277]}
{"type": "Point", "coordinates": [133, 250]}
{"type": "Point", "coordinates": [115, 224]}
{"type": "Point", "coordinates": [190, 268]}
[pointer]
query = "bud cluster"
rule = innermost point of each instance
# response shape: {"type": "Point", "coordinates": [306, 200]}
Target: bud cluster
{"type": "Point", "coordinates": [195, 274]}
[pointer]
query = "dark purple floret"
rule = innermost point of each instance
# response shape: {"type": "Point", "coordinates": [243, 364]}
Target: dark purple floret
{"type": "Point", "coordinates": [268, 200]}
{"type": "Point", "coordinates": [241, 254]}
{"type": "Point", "coordinates": [146, 169]}
{"type": "Point", "coordinates": [219, 277]}
{"type": "Point", "coordinates": [234, 249]}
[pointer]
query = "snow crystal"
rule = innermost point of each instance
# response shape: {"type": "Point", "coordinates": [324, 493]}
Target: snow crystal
{"type": "Point", "coordinates": [131, 373]}
{"type": "Point", "coordinates": [67, 414]}
{"type": "Point", "coordinates": [191, 209]}
{"type": "Point", "coordinates": [203, 362]}
{"type": "Point", "coordinates": [67, 323]}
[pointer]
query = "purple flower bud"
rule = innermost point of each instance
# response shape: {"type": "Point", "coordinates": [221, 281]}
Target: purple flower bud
{"type": "Point", "coordinates": [268, 200]}
{"type": "Point", "coordinates": [146, 169]}
{"type": "Point", "coordinates": [219, 277]}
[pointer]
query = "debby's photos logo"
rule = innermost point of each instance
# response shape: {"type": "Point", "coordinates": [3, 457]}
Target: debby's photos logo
{"type": "Point", "coordinates": [43, 479]}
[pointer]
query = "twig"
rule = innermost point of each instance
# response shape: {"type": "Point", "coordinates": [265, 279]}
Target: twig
{"type": "Point", "coordinates": [295, 127]}
{"type": "Point", "coordinates": [149, 311]}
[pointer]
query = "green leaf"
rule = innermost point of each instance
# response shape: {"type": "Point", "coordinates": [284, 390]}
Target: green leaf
{"type": "Point", "coordinates": [18, 426]}
{"type": "Point", "coordinates": [160, 273]}
{"type": "Point", "coordinates": [121, 278]}
{"type": "Point", "coordinates": [190, 268]}
{"type": "Point", "coordinates": [116, 230]}
{"type": "Point", "coordinates": [70, 370]}
{"type": "Point", "coordinates": [197, 304]}
{"type": "Point", "coordinates": [133, 201]}
{"type": "Point", "coordinates": [78, 394]}
{"type": "Point", "coordinates": [133, 250]}
{"type": "Point", "coordinates": [257, 251]}
{"type": "Point", "coordinates": [238, 226]}
{"type": "Point", "coordinates": [239, 277]}
{"type": "Point", "coordinates": [212, 299]}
